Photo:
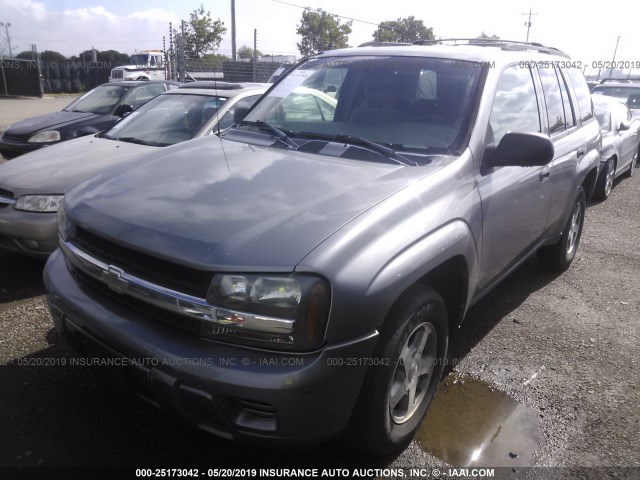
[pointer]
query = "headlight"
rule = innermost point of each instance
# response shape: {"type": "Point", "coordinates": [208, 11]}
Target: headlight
{"type": "Point", "coordinates": [286, 310]}
{"type": "Point", "coordinates": [45, 137]}
{"type": "Point", "coordinates": [63, 222]}
{"type": "Point", "coordinates": [39, 203]}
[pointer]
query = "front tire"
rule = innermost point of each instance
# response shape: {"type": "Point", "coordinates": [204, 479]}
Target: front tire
{"type": "Point", "coordinates": [605, 180]}
{"type": "Point", "coordinates": [632, 168]}
{"type": "Point", "coordinates": [396, 395]}
{"type": "Point", "coordinates": [558, 257]}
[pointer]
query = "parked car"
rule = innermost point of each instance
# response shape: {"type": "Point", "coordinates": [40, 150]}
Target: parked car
{"type": "Point", "coordinates": [301, 277]}
{"type": "Point", "coordinates": [620, 141]}
{"type": "Point", "coordinates": [627, 92]}
{"type": "Point", "coordinates": [96, 110]}
{"type": "Point", "coordinates": [32, 186]}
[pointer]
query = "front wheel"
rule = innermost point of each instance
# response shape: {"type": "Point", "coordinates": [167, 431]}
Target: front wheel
{"type": "Point", "coordinates": [396, 395]}
{"type": "Point", "coordinates": [559, 256]}
{"type": "Point", "coordinates": [605, 180]}
{"type": "Point", "coordinates": [632, 168]}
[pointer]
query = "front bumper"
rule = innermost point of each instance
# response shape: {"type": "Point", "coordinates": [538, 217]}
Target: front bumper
{"type": "Point", "coordinates": [231, 391]}
{"type": "Point", "coordinates": [28, 233]}
{"type": "Point", "coordinates": [11, 149]}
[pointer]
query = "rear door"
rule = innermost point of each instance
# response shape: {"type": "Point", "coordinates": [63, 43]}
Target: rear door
{"type": "Point", "coordinates": [569, 141]}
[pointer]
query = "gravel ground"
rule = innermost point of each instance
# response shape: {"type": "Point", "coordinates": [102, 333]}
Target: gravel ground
{"type": "Point", "coordinates": [566, 346]}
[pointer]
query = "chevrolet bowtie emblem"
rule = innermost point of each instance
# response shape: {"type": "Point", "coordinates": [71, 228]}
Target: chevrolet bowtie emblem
{"type": "Point", "coordinates": [113, 278]}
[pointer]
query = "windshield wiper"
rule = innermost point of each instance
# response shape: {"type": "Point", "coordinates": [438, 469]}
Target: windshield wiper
{"type": "Point", "coordinates": [132, 140]}
{"type": "Point", "coordinates": [275, 131]}
{"type": "Point", "coordinates": [390, 153]}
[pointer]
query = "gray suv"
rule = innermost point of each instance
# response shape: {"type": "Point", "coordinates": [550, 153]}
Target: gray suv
{"type": "Point", "coordinates": [300, 277]}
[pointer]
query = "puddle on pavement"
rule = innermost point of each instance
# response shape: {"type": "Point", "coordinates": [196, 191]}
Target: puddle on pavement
{"type": "Point", "coordinates": [471, 424]}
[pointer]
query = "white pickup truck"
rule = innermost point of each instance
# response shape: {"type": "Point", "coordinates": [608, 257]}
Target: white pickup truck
{"type": "Point", "coordinates": [145, 65]}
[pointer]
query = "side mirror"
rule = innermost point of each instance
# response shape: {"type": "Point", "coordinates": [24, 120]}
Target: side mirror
{"type": "Point", "coordinates": [239, 113]}
{"type": "Point", "coordinates": [519, 150]}
{"type": "Point", "coordinates": [81, 132]}
{"type": "Point", "coordinates": [123, 110]}
{"type": "Point", "coordinates": [624, 125]}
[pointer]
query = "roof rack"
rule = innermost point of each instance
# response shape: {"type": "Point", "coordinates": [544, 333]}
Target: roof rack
{"type": "Point", "coordinates": [383, 44]}
{"type": "Point", "coordinates": [213, 84]}
{"type": "Point", "coordinates": [512, 45]}
{"type": "Point", "coordinates": [618, 80]}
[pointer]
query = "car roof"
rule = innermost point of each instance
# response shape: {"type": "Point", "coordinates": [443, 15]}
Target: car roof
{"type": "Point", "coordinates": [474, 50]}
{"type": "Point", "coordinates": [135, 83]}
{"type": "Point", "coordinates": [222, 89]}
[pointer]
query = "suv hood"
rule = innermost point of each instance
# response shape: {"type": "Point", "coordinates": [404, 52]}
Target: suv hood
{"type": "Point", "coordinates": [57, 168]}
{"type": "Point", "coordinates": [27, 127]}
{"type": "Point", "coordinates": [221, 205]}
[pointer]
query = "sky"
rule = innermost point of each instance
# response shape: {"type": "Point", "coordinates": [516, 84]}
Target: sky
{"type": "Point", "coordinates": [586, 33]}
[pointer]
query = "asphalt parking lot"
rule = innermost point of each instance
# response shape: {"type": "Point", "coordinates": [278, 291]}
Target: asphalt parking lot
{"type": "Point", "coordinates": [562, 349]}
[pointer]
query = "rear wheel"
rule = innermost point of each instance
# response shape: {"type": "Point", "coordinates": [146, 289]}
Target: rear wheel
{"type": "Point", "coordinates": [559, 256]}
{"type": "Point", "coordinates": [396, 395]}
{"type": "Point", "coordinates": [605, 180]}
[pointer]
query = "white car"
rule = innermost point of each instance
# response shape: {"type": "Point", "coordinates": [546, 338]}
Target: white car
{"type": "Point", "coordinates": [33, 185]}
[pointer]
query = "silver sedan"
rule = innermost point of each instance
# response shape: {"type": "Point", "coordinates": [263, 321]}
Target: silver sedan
{"type": "Point", "coordinates": [620, 140]}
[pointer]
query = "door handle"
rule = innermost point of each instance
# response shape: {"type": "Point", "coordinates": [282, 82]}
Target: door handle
{"type": "Point", "coordinates": [545, 173]}
{"type": "Point", "coordinates": [580, 152]}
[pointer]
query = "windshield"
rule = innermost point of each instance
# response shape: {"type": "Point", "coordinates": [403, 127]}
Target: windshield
{"type": "Point", "coordinates": [628, 95]}
{"type": "Point", "coordinates": [138, 59]}
{"type": "Point", "coordinates": [167, 119]}
{"type": "Point", "coordinates": [99, 100]}
{"type": "Point", "coordinates": [410, 104]}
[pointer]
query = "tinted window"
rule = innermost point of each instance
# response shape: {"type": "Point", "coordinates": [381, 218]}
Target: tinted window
{"type": "Point", "coordinates": [515, 106]}
{"type": "Point", "coordinates": [142, 95]}
{"type": "Point", "coordinates": [569, 116]}
{"type": "Point", "coordinates": [582, 92]}
{"type": "Point", "coordinates": [553, 98]}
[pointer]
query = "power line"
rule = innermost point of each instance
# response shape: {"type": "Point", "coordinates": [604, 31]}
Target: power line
{"type": "Point", "coordinates": [332, 14]}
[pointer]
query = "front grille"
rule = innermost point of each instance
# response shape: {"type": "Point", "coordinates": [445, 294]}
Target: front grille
{"type": "Point", "coordinates": [182, 322]}
{"type": "Point", "coordinates": [155, 270]}
{"type": "Point", "coordinates": [15, 138]}
{"type": "Point", "coordinates": [6, 193]}
{"type": "Point", "coordinates": [116, 73]}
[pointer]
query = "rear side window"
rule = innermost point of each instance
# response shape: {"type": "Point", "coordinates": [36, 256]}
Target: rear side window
{"type": "Point", "coordinates": [553, 98]}
{"type": "Point", "coordinates": [569, 116]}
{"type": "Point", "coordinates": [515, 105]}
{"type": "Point", "coordinates": [583, 95]}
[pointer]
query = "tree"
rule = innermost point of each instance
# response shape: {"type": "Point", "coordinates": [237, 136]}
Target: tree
{"type": "Point", "coordinates": [202, 34]}
{"type": "Point", "coordinates": [247, 52]}
{"type": "Point", "coordinates": [46, 56]}
{"type": "Point", "coordinates": [321, 31]}
{"type": "Point", "coordinates": [403, 30]}
{"type": "Point", "coordinates": [492, 37]}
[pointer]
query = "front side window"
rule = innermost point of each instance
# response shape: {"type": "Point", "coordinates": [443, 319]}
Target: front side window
{"type": "Point", "coordinates": [515, 105]}
{"type": "Point", "coordinates": [141, 95]}
{"type": "Point", "coordinates": [410, 104]}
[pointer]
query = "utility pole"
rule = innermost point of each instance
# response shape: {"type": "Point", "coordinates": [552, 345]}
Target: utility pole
{"type": "Point", "coordinates": [233, 30]}
{"type": "Point", "coordinates": [613, 60]}
{"type": "Point", "coordinates": [528, 23]}
{"type": "Point", "coordinates": [255, 56]}
{"type": "Point", "coordinates": [6, 29]}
